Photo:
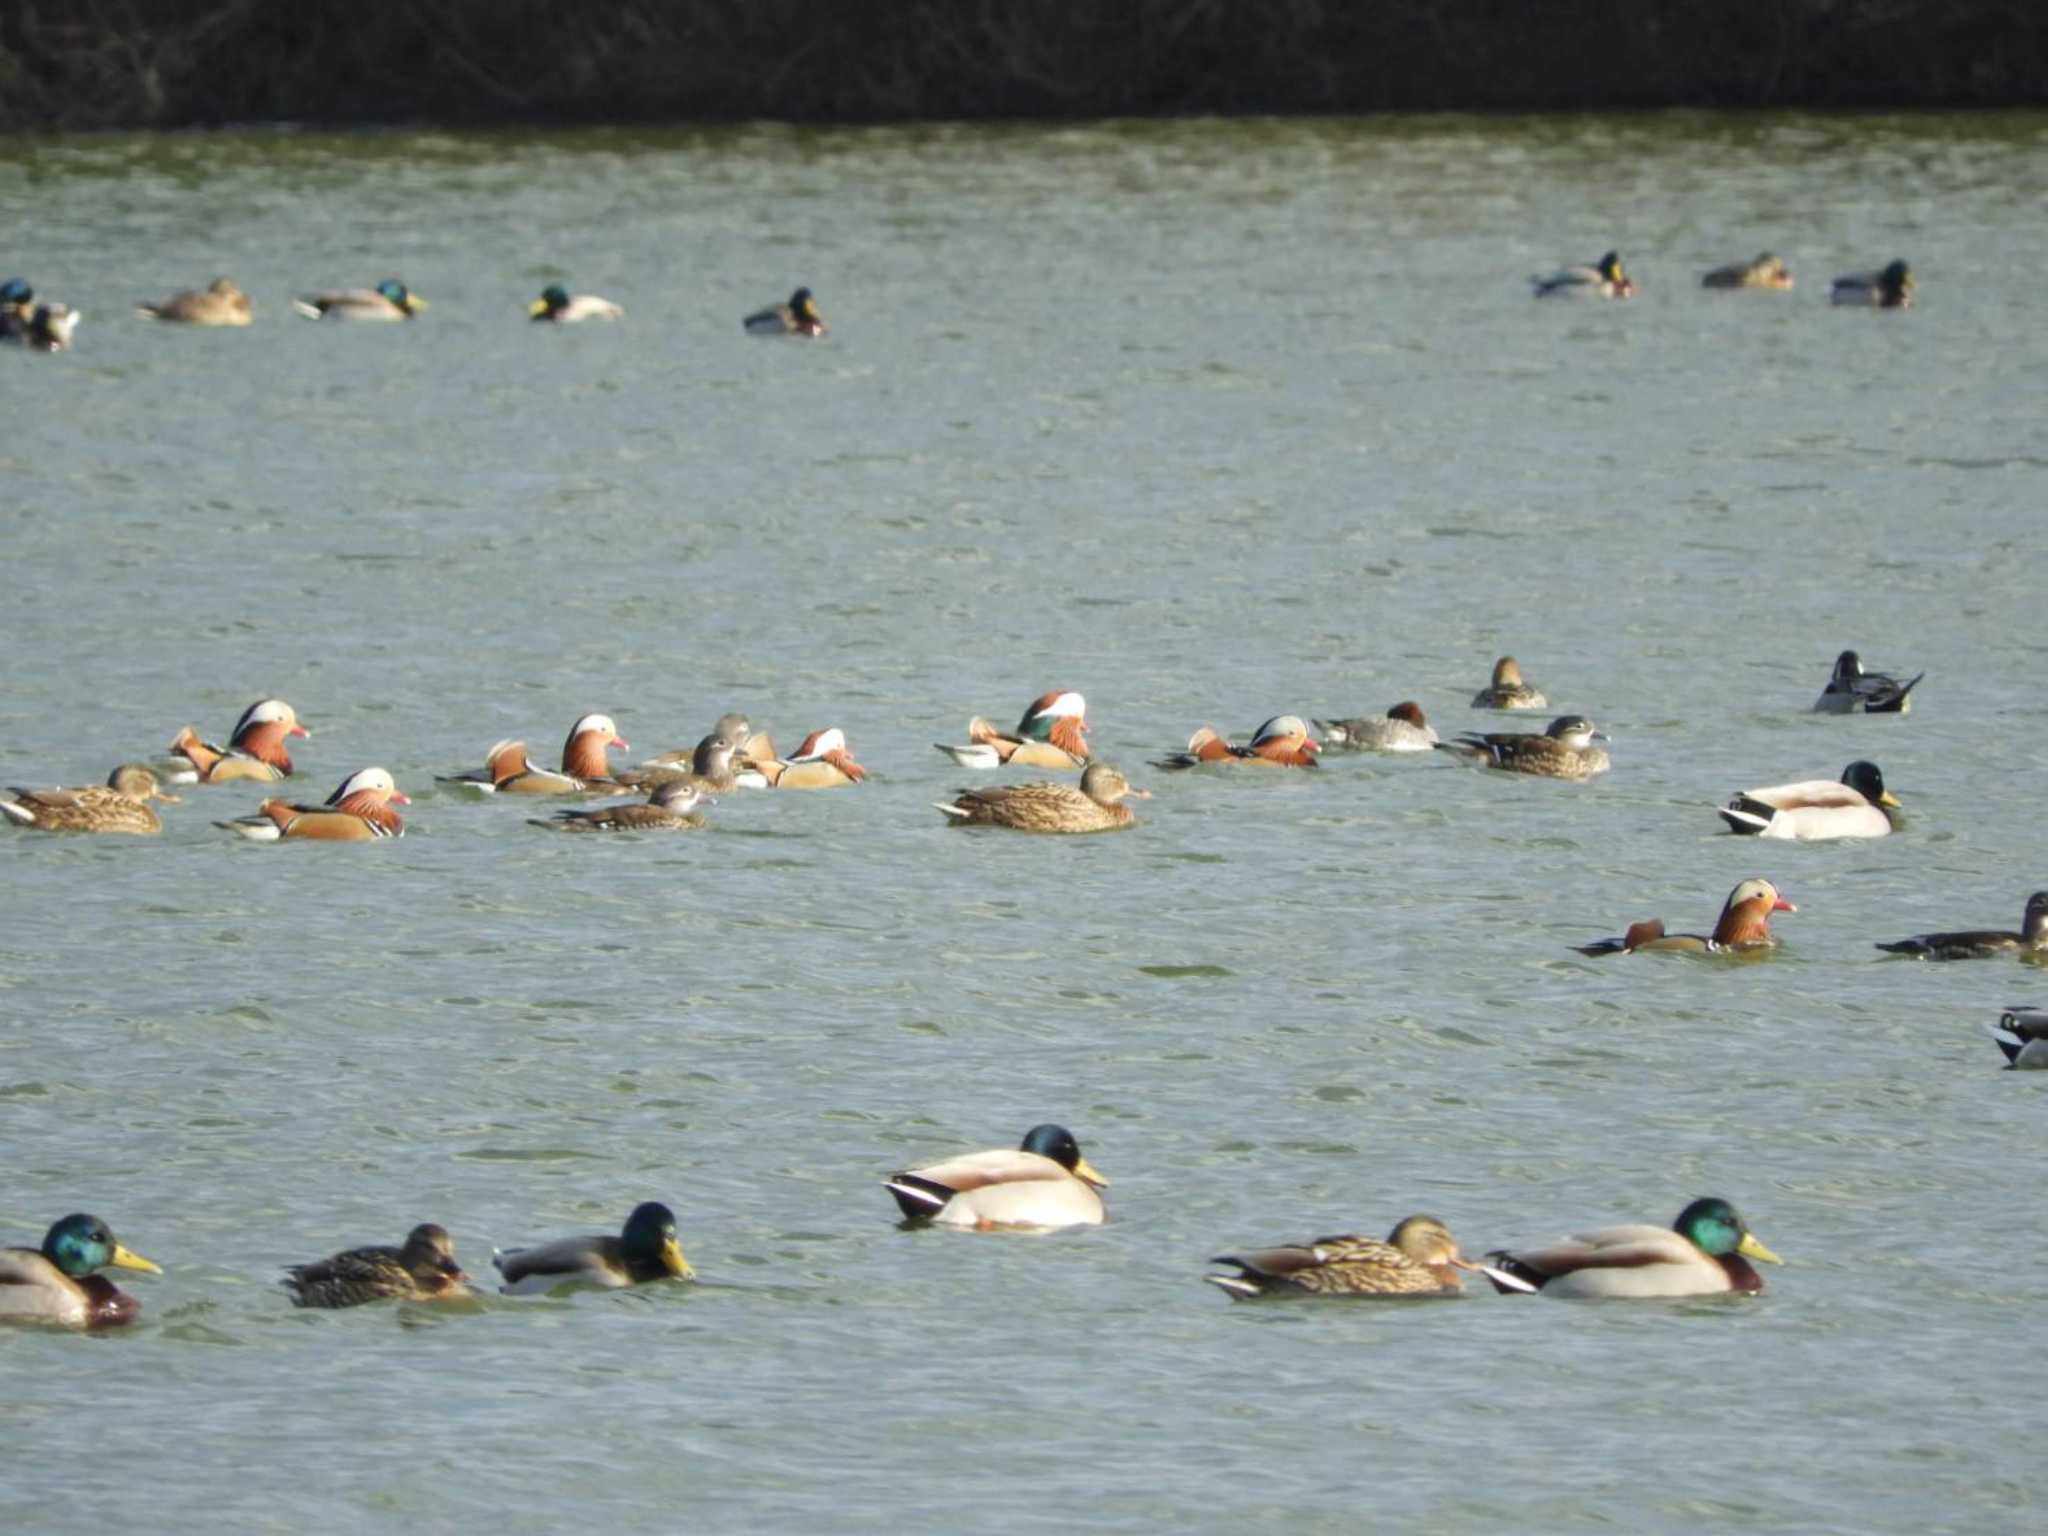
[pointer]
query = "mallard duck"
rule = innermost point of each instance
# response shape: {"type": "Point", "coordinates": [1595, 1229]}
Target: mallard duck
{"type": "Point", "coordinates": [256, 750]}
{"type": "Point", "coordinates": [17, 299]}
{"type": "Point", "coordinates": [357, 811]}
{"type": "Point", "coordinates": [1890, 289]}
{"type": "Point", "coordinates": [1052, 734]}
{"type": "Point", "coordinates": [1508, 691]}
{"type": "Point", "coordinates": [60, 1283]}
{"type": "Point", "coordinates": [645, 1250]}
{"type": "Point", "coordinates": [1745, 923]}
{"type": "Point", "coordinates": [673, 807]}
{"type": "Point", "coordinates": [1703, 1253]}
{"type": "Point", "coordinates": [2022, 1034]}
{"type": "Point", "coordinates": [424, 1269]}
{"type": "Point", "coordinates": [1851, 690]}
{"type": "Point", "coordinates": [1418, 1258]}
{"type": "Point", "coordinates": [1817, 809]}
{"type": "Point", "coordinates": [1979, 944]}
{"type": "Point", "coordinates": [585, 769]}
{"type": "Point", "coordinates": [1046, 1182]}
{"type": "Point", "coordinates": [1400, 729]}
{"type": "Point", "coordinates": [1564, 750]}
{"type": "Point", "coordinates": [120, 805]}
{"type": "Point", "coordinates": [1603, 280]}
{"type": "Point", "coordinates": [219, 303]}
{"type": "Point", "coordinates": [1281, 742]}
{"type": "Point", "coordinates": [1767, 271]}
{"type": "Point", "coordinates": [1097, 806]}
{"type": "Point", "coordinates": [45, 328]}
{"type": "Point", "coordinates": [799, 317]}
{"type": "Point", "coordinates": [822, 760]}
{"type": "Point", "coordinates": [556, 303]}
{"type": "Point", "coordinates": [389, 300]}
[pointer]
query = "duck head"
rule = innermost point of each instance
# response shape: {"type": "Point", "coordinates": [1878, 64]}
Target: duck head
{"type": "Point", "coordinates": [1057, 1143]}
{"type": "Point", "coordinates": [1285, 739]}
{"type": "Point", "coordinates": [650, 1238]}
{"type": "Point", "coordinates": [17, 295]}
{"type": "Point", "coordinates": [1712, 1225]}
{"type": "Point", "coordinates": [679, 797]}
{"type": "Point", "coordinates": [138, 782]}
{"type": "Point", "coordinates": [1895, 282]}
{"type": "Point", "coordinates": [262, 731]}
{"type": "Point", "coordinates": [392, 289]}
{"type": "Point", "coordinates": [1061, 718]}
{"type": "Point", "coordinates": [805, 308]}
{"type": "Point", "coordinates": [1746, 917]}
{"type": "Point", "coordinates": [829, 746]}
{"type": "Point", "coordinates": [1411, 712]}
{"type": "Point", "coordinates": [1106, 785]}
{"type": "Point", "coordinates": [2034, 925]}
{"type": "Point", "coordinates": [1574, 731]}
{"type": "Point", "coordinates": [1864, 778]}
{"type": "Point", "coordinates": [429, 1255]}
{"type": "Point", "coordinates": [583, 753]}
{"type": "Point", "coordinates": [81, 1245]}
{"type": "Point", "coordinates": [552, 301]}
{"type": "Point", "coordinates": [1610, 269]}
{"type": "Point", "coordinates": [366, 793]}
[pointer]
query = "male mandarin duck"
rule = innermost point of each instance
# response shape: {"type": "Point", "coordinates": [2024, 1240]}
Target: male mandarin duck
{"type": "Point", "coordinates": [673, 807]}
{"type": "Point", "coordinates": [424, 1269]}
{"type": "Point", "coordinates": [822, 761]}
{"type": "Point", "coordinates": [585, 769]}
{"type": "Point", "coordinates": [1745, 924]}
{"type": "Point", "coordinates": [1564, 750]}
{"type": "Point", "coordinates": [389, 300]}
{"type": "Point", "coordinates": [799, 317]}
{"type": "Point", "coordinates": [1400, 729]}
{"type": "Point", "coordinates": [219, 303]}
{"type": "Point", "coordinates": [120, 805]}
{"type": "Point", "coordinates": [1507, 690]}
{"type": "Point", "coordinates": [2022, 1034]}
{"type": "Point", "coordinates": [556, 303]}
{"type": "Point", "coordinates": [1891, 288]}
{"type": "Point", "coordinates": [1045, 1183]}
{"type": "Point", "coordinates": [1052, 734]}
{"type": "Point", "coordinates": [1851, 690]}
{"type": "Point", "coordinates": [647, 1249]}
{"type": "Point", "coordinates": [1418, 1258]}
{"type": "Point", "coordinates": [1983, 943]}
{"type": "Point", "coordinates": [256, 750]}
{"type": "Point", "coordinates": [1767, 271]}
{"type": "Point", "coordinates": [1705, 1252]}
{"type": "Point", "coordinates": [60, 1283]}
{"type": "Point", "coordinates": [358, 811]}
{"type": "Point", "coordinates": [1282, 742]}
{"type": "Point", "coordinates": [1817, 809]}
{"type": "Point", "coordinates": [45, 328]}
{"type": "Point", "coordinates": [1602, 280]}
{"type": "Point", "coordinates": [1097, 806]}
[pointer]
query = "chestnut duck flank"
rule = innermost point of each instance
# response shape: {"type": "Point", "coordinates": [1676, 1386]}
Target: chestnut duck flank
{"type": "Point", "coordinates": [1851, 690]}
{"type": "Point", "coordinates": [1282, 742]}
{"type": "Point", "coordinates": [1745, 924]}
{"type": "Point", "coordinates": [120, 805]}
{"type": "Point", "coordinates": [673, 807]}
{"type": "Point", "coordinates": [1418, 1258]}
{"type": "Point", "coordinates": [1400, 729]}
{"type": "Point", "coordinates": [255, 751]}
{"type": "Point", "coordinates": [1564, 750]}
{"type": "Point", "coordinates": [358, 811]}
{"type": "Point", "coordinates": [1052, 734]}
{"type": "Point", "coordinates": [1508, 691]}
{"type": "Point", "coordinates": [1983, 943]}
{"type": "Point", "coordinates": [1097, 806]}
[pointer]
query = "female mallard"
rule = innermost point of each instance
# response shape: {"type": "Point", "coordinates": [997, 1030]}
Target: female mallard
{"type": "Point", "coordinates": [357, 811]}
{"type": "Point", "coordinates": [1508, 691]}
{"type": "Point", "coordinates": [1703, 1253]}
{"type": "Point", "coordinates": [423, 1270]}
{"type": "Point", "coordinates": [1817, 809]}
{"type": "Point", "coordinates": [219, 303]}
{"type": "Point", "coordinates": [2022, 1034]}
{"type": "Point", "coordinates": [799, 317]}
{"type": "Point", "coordinates": [256, 750]}
{"type": "Point", "coordinates": [120, 805]}
{"type": "Point", "coordinates": [1603, 280]}
{"type": "Point", "coordinates": [673, 807]}
{"type": "Point", "coordinates": [1400, 729]}
{"type": "Point", "coordinates": [1052, 734]}
{"type": "Point", "coordinates": [1851, 690]}
{"type": "Point", "coordinates": [1982, 943]}
{"type": "Point", "coordinates": [1046, 1182]}
{"type": "Point", "coordinates": [1767, 271]}
{"type": "Point", "coordinates": [60, 1282]}
{"type": "Point", "coordinates": [1281, 742]}
{"type": "Point", "coordinates": [1745, 923]}
{"type": "Point", "coordinates": [1564, 750]}
{"type": "Point", "coordinates": [585, 768]}
{"type": "Point", "coordinates": [389, 300]}
{"type": "Point", "coordinates": [646, 1250]}
{"type": "Point", "coordinates": [556, 303]}
{"type": "Point", "coordinates": [1890, 289]}
{"type": "Point", "coordinates": [1097, 806]}
{"type": "Point", "coordinates": [1418, 1258]}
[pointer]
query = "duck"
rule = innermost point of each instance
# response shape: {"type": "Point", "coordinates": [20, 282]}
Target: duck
{"type": "Point", "coordinates": [1981, 944]}
{"type": "Point", "coordinates": [1418, 1258]}
{"type": "Point", "coordinates": [1564, 750]}
{"type": "Point", "coordinates": [822, 760]}
{"type": "Point", "coordinates": [1767, 271]}
{"type": "Point", "coordinates": [1705, 1252]}
{"type": "Point", "coordinates": [17, 301]}
{"type": "Point", "coordinates": [120, 805]}
{"type": "Point", "coordinates": [585, 769]}
{"type": "Point", "coordinates": [1745, 923]}
{"type": "Point", "coordinates": [799, 317]}
{"type": "Point", "coordinates": [45, 328]}
{"type": "Point", "coordinates": [61, 1284]}
{"type": "Point", "coordinates": [218, 303]}
{"type": "Point", "coordinates": [713, 766]}
{"type": "Point", "coordinates": [256, 750]}
{"type": "Point", "coordinates": [389, 300]}
{"type": "Point", "coordinates": [1817, 809]}
{"type": "Point", "coordinates": [1603, 280]}
{"type": "Point", "coordinates": [556, 303]}
{"type": "Point", "coordinates": [1282, 742]}
{"type": "Point", "coordinates": [1097, 806]}
{"type": "Point", "coordinates": [1044, 1183]}
{"type": "Point", "coordinates": [1851, 690]}
{"type": "Point", "coordinates": [645, 1249]}
{"type": "Point", "coordinates": [1401, 729]}
{"type": "Point", "coordinates": [1508, 691]}
{"type": "Point", "coordinates": [1052, 734]}
{"type": "Point", "coordinates": [2022, 1034]}
{"type": "Point", "coordinates": [358, 811]}
{"type": "Point", "coordinates": [1891, 288]}
{"type": "Point", "coordinates": [422, 1269]}
{"type": "Point", "coordinates": [673, 807]}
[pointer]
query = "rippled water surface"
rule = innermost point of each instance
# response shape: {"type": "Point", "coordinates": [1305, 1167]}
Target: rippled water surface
{"type": "Point", "coordinates": [1214, 422]}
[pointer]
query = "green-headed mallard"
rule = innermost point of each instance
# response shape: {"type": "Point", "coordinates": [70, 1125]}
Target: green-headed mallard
{"type": "Point", "coordinates": [1508, 691]}
{"type": "Point", "coordinates": [1564, 750]}
{"type": "Point", "coordinates": [1817, 809]}
{"type": "Point", "coordinates": [673, 807]}
{"type": "Point", "coordinates": [647, 1249]}
{"type": "Point", "coordinates": [1982, 943]}
{"type": "Point", "coordinates": [60, 1283]}
{"type": "Point", "coordinates": [1418, 1258]}
{"type": "Point", "coordinates": [389, 300]}
{"type": "Point", "coordinates": [1853, 691]}
{"type": "Point", "coordinates": [1767, 271]}
{"type": "Point", "coordinates": [45, 328]}
{"type": "Point", "coordinates": [1097, 806]}
{"type": "Point", "coordinates": [424, 1269]}
{"type": "Point", "coordinates": [256, 750]}
{"type": "Point", "coordinates": [1745, 923]}
{"type": "Point", "coordinates": [1052, 734]}
{"type": "Point", "coordinates": [1890, 289]}
{"type": "Point", "coordinates": [1703, 1253]}
{"type": "Point", "coordinates": [558, 304]}
{"type": "Point", "coordinates": [1401, 729]}
{"type": "Point", "coordinates": [1604, 279]}
{"type": "Point", "coordinates": [219, 303]}
{"type": "Point", "coordinates": [358, 811]}
{"type": "Point", "coordinates": [1044, 1183]}
{"type": "Point", "coordinates": [799, 317]}
{"type": "Point", "coordinates": [120, 805]}
{"type": "Point", "coordinates": [1281, 742]}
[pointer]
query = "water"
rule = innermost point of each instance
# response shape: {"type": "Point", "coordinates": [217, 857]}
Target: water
{"type": "Point", "coordinates": [1212, 421]}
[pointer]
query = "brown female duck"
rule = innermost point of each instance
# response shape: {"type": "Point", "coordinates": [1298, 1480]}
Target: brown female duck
{"type": "Point", "coordinates": [1097, 806]}
{"type": "Point", "coordinates": [219, 303]}
{"type": "Point", "coordinates": [424, 1269]}
{"type": "Point", "coordinates": [1418, 1258]}
{"type": "Point", "coordinates": [120, 805]}
{"type": "Point", "coordinates": [1508, 691]}
{"type": "Point", "coordinates": [673, 807]}
{"type": "Point", "coordinates": [1564, 750]}
{"type": "Point", "coordinates": [1981, 943]}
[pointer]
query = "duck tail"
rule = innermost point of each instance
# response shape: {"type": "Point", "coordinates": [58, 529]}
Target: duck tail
{"type": "Point", "coordinates": [1242, 1285]}
{"type": "Point", "coordinates": [1745, 815]}
{"type": "Point", "coordinates": [918, 1199]}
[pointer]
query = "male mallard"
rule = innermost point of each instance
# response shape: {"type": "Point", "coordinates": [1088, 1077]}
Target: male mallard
{"type": "Point", "coordinates": [799, 317]}
{"type": "Point", "coordinates": [1890, 289]}
{"type": "Point", "coordinates": [1052, 734]}
{"type": "Point", "coordinates": [556, 303]}
{"type": "Point", "coordinates": [585, 768]}
{"type": "Point", "coordinates": [1982, 943]}
{"type": "Point", "coordinates": [60, 1282]}
{"type": "Point", "coordinates": [357, 811]}
{"type": "Point", "coordinates": [1817, 809]}
{"type": "Point", "coordinates": [1508, 691]}
{"type": "Point", "coordinates": [1097, 806]}
{"type": "Point", "coordinates": [673, 807]}
{"type": "Point", "coordinates": [2022, 1033]}
{"type": "Point", "coordinates": [256, 750]}
{"type": "Point", "coordinates": [1745, 923]}
{"type": "Point", "coordinates": [45, 328]}
{"type": "Point", "coordinates": [219, 303]}
{"type": "Point", "coordinates": [1851, 690]}
{"type": "Point", "coordinates": [1767, 271]}
{"type": "Point", "coordinates": [120, 805]}
{"type": "Point", "coordinates": [1564, 750]}
{"type": "Point", "coordinates": [1703, 1253]}
{"type": "Point", "coordinates": [1281, 742]}
{"type": "Point", "coordinates": [423, 1270]}
{"type": "Point", "coordinates": [1400, 729]}
{"type": "Point", "coordinates": [389, 300]}
{"type": "Point", "coordinates": [17, 299]}
{"type": "Point", "coordinates": [1046, 1182]}
{"type": "Point", "coordinates": [1418, 1258]}
{"type": "Point", "coordinates": [646, 1250]}
{"type": "Point", "coordinates": [1603, 280]}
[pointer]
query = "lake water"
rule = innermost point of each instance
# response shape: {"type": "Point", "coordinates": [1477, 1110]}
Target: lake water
{"type": "Point", "coordinates": [1213, 421]}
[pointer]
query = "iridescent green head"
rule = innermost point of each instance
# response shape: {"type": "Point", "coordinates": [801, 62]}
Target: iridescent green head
{"type": "Point", "coordinates": [650, 1238]}
{"type": "Point", "coordinates": [555, 296]}
{"type": "Point", "coordinates": [1712, 1225]}
{"type": "Point", "coordinates": [16, 293]}
{"type": "Point", "coordinates": [1057, 1142]}
{"type": "Point", "coordinates": [80, 1245]}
